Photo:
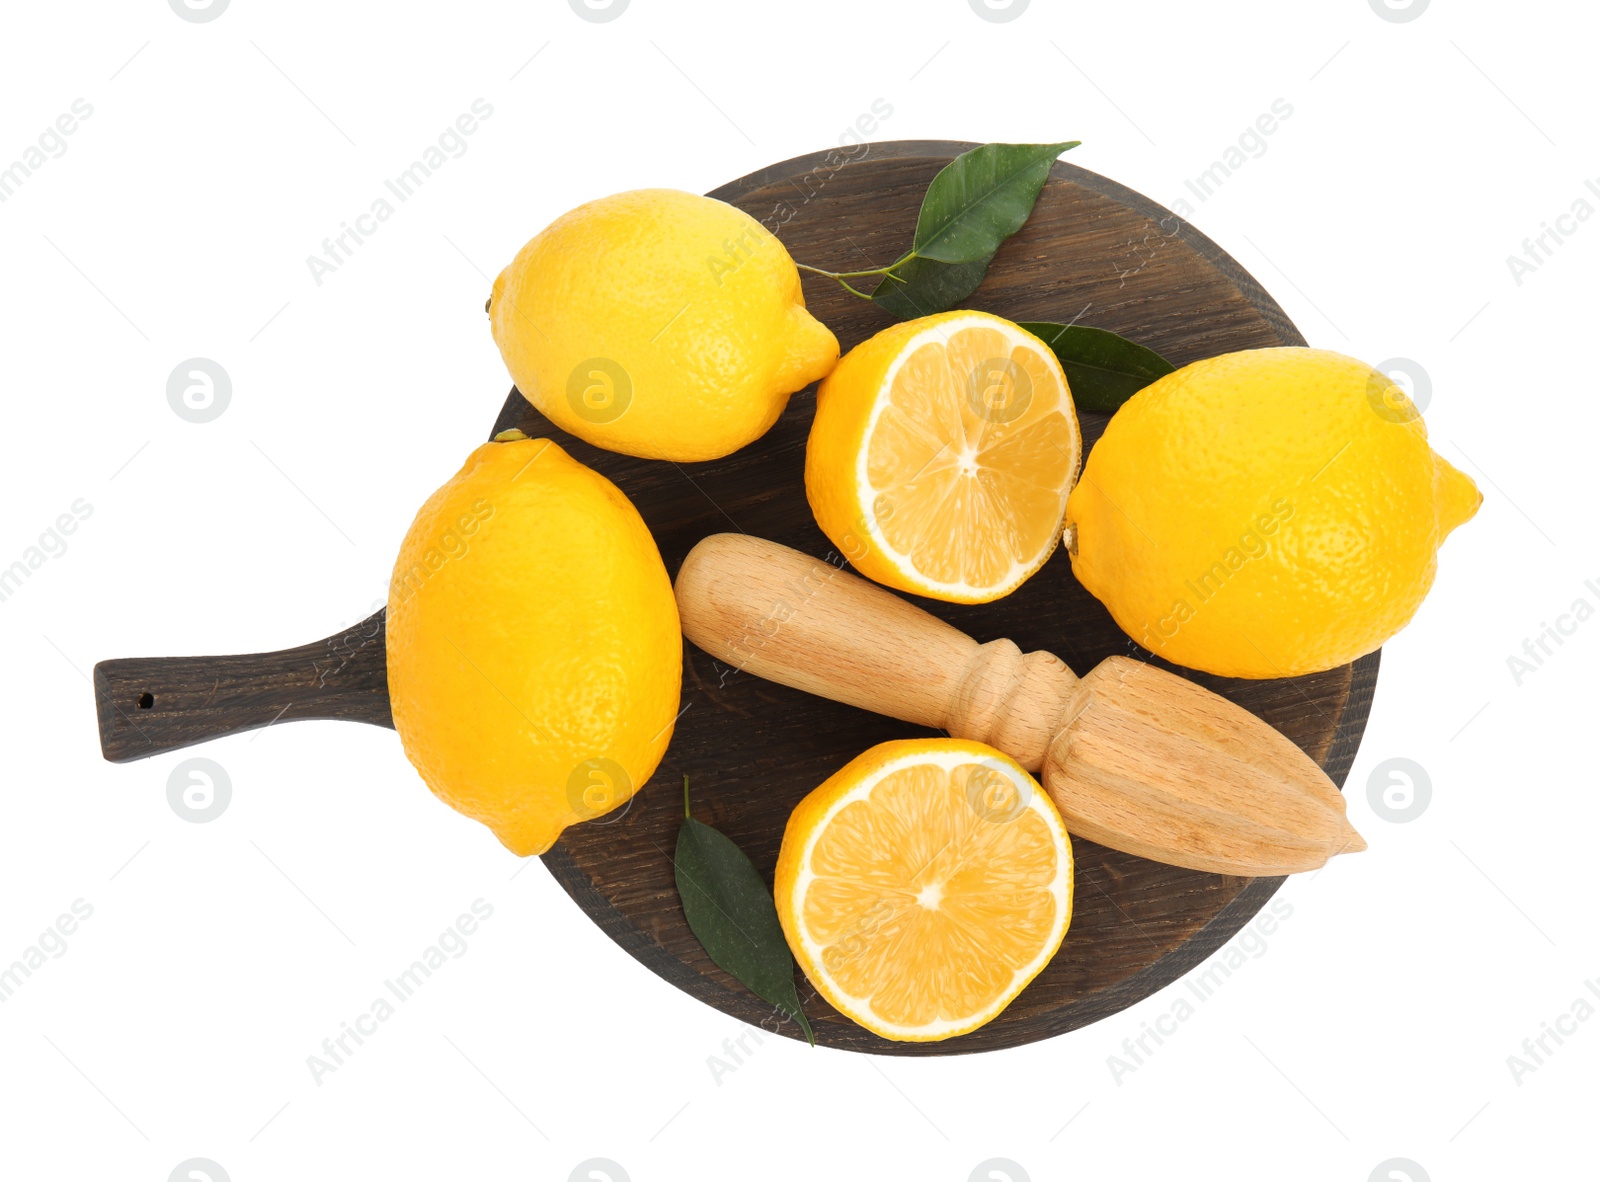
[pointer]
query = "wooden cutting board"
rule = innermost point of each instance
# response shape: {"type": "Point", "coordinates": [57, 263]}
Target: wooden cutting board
{"type": "Point", "coordinates": [1093, 252]}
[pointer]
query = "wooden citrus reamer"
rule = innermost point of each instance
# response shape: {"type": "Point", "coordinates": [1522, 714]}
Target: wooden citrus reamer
{"type": "Point", "coordinates": [1135, 758]}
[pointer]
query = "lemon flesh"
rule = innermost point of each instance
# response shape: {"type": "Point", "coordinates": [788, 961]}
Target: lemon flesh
{"type": "Point", "coordinates": [942, 454]}
{"type": "Point", "coordinates": [923, 885]}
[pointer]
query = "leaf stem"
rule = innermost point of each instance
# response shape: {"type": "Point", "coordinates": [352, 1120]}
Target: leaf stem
{"type": "Point", "coordinates": [686, 796]}
{"type": "Point", "coordinates": [840, 276]}
{"type": "Point", "coordinates": [864, 295]}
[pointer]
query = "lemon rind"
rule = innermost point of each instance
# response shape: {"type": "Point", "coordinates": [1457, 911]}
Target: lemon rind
{"type": "Point", "coordinates": [866, 494]}
{"type": "Point", "coordinates": [859, 1009]}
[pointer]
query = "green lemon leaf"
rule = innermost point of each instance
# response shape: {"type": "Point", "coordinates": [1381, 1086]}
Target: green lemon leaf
{"type": "Point", "coordinates": [732, 914]}
{"type": "Point", "coordinates": [1103, 369]}
{"type": "Point", "coordinates": [922, 287]}
{"type": "Point", "coordinates": [980, 199]}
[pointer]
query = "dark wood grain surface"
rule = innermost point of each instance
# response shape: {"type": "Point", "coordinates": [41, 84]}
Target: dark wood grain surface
{"type": "Point", "coordinates": [148, 705]}
{"type": "Point", "coordinates": [1093, 252]}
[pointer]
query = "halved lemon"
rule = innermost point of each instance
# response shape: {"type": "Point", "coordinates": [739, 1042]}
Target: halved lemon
{"type": "Point", "coordinates": [923, 885]}
{"type": "Point", "coordinates": [942, 454]}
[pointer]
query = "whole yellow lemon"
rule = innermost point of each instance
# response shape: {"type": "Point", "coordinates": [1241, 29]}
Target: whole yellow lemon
{"type": "Point", "coordinates": [533, 644]}
{"type": "Point", "coordinates": [1265, 514]}
{"type": "Point", "coordinates": [659, 324]}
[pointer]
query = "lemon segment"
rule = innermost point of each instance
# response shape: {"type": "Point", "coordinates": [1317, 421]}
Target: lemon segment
{"type": "Point", "coordinates": [942, 454]}
{"type": "Point", "coordinates": [923, 886]}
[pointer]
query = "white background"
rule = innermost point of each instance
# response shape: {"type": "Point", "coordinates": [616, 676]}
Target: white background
{"type": "Point", "coordinates": [1378, 1022]}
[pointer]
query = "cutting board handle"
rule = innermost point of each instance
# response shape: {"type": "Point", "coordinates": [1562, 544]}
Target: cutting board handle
{"type": "Point", "coordinates": [147, 705]}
